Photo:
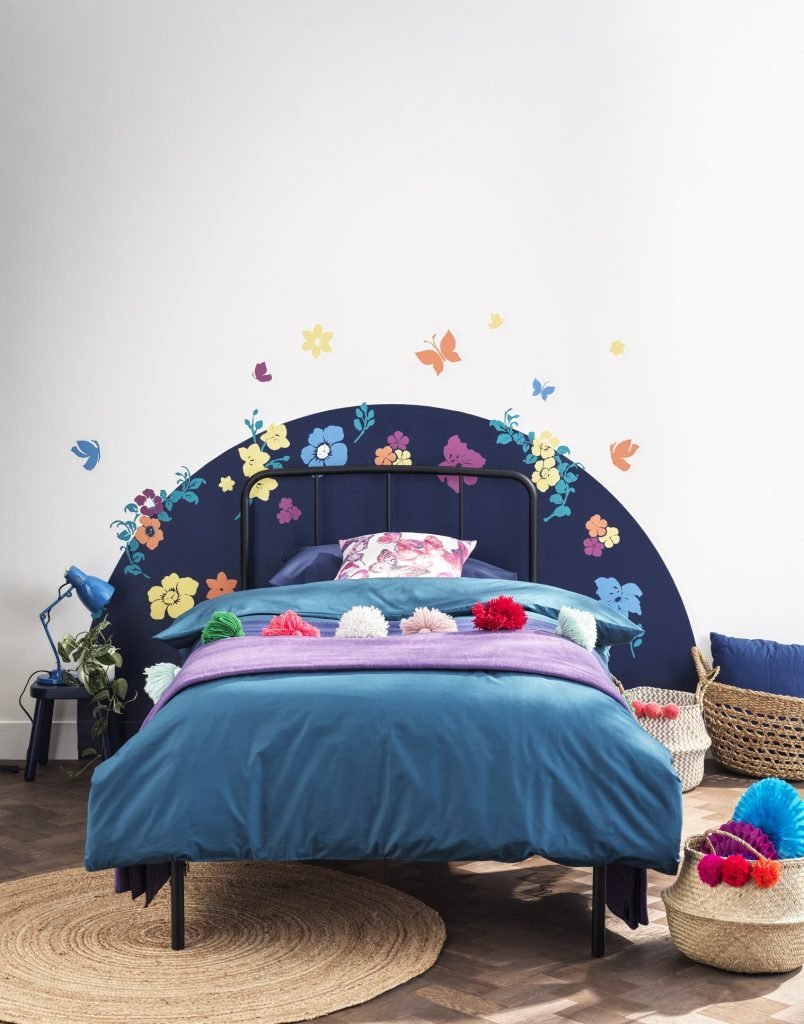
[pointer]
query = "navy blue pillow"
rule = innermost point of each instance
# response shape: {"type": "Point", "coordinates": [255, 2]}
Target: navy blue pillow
{"type": "Point", "coordinates": [322, 562]}
{"type": "Point", "coordinates": [759, 664]}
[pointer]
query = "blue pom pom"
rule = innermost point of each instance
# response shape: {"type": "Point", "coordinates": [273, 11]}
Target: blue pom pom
{"type": "Point", "coordinates": [578, 626]}
{"type": "Point", "coordinates": [775, 807]}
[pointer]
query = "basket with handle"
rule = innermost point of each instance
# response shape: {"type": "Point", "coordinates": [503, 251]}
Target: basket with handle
{"type": "Point", "coordinates": [747, 929]}
{"type": "Point", "coordinates": [753, 733]}
{"type": "Point", "coordinates": [685, 737]}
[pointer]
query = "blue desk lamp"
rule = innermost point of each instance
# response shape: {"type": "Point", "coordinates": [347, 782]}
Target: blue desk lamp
{"type": "Point", "coordinates": [93, 593]}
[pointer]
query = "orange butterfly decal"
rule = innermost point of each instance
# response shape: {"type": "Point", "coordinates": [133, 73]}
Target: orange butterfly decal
{"type": "Point", "coordinates": [444, 351]}
{"type": "Point", "coordinates": [621, 451]}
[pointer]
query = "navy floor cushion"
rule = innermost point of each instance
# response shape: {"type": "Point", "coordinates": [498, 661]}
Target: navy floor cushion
{"type": "Point", "coordinates": [759, 664]}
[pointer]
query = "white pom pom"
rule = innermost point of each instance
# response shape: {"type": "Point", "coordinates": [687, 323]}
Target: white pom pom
{"type": "Point", "coordinates": [158, 678]}
{"type": "Point", "coordinates": [578, 626]}
{"type": "Point", "coordinates": [362, 620]}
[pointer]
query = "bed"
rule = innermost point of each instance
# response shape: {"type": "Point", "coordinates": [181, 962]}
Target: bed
{"type": "Point", "coordinates": [459, 747]}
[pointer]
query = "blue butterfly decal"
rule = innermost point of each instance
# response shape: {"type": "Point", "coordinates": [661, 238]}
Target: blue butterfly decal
{"type": "Point", "coordinates": [88, 450]}
{"type": "Point", "coordinates": [542, 391]}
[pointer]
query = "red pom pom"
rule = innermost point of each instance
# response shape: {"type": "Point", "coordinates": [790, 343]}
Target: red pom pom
{"type": "Point", "coordinates": [736, 870]}
{"type": "Point", "coordinates": [290, 623]}
{"type": "Point", "coordinates": [653, 710]}
{"type": "Point", "coordinates": [710, 869]}
{"type": "Point", "coordinates": [499, 613]}
{"type": "Point", "coordinates": [670, 711]}
{"type": "Point", "coordinates": [639, 707]}
{"type": "Point", "coordinates": [766, 873]}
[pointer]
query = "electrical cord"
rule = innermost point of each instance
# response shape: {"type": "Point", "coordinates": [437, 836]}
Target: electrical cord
{"type": "Point", "coordinates": [10, 768]}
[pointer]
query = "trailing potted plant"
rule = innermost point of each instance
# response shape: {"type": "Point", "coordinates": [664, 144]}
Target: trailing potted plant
{"type": "Point", "coordinates": [95, 660]}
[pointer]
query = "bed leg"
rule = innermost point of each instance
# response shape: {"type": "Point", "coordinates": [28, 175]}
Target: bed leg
{"type": "Point", "coordinates": [599, 910]}
{"type": "Point", "coordinates": [177, 904]}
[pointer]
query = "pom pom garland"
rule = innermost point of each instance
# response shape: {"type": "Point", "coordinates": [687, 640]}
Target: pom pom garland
{"type": "Point", "coordinates": [710, 869]}
{"type": "Point", "coordinates": [652, 710]}
{"type": "Point", "coordinates": [671, 712]}
{"type": "Point", "coordinates": [429, 620]}
{"type": "Point", "coordinates": [775, 807]}
{"type": "Point", "coordinates": [220, 626]}
{"type": "Point", "coordinates": [577, 626]}
{"type": "Point", "coordinates": [736, 870]}
{"type": "Point", "coordinates": [639, 707]}
{"type": "Point", "coordinates": [158, 678]}
{"type": "Point", "coordinates": [766, 873]}
{"type": "Point", "coordinates": [290, 623]}
{"type": "Point", "coordinates": [500, 613]}
{"type": "Point", "coordinates": [364, 620]}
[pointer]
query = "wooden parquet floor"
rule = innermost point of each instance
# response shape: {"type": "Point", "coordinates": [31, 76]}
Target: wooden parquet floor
{"type": "Point", "coordinates": [517, 950]}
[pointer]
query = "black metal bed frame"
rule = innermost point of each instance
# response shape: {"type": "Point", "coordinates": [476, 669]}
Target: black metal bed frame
{"type": "Point", "coordinates": [179, 867]}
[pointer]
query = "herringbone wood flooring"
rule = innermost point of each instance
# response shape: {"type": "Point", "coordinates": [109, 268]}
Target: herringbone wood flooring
{"type": "Point", "coordinates": [517, 950]}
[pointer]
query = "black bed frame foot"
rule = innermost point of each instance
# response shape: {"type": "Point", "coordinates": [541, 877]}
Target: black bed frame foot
{"type": "Point", "coordinates": [599, 911]}
{"type": "Point", "coordinates": [177, 869]}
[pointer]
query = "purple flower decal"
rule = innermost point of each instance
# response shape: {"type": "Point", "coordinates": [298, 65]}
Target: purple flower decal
{"type": "Point", "coordinates": [398, 440]}
{"type": "Point", "coordinates": [458, 453]}
{"type": "Point", "coordinates": [149, 502]}
{"type": "Point", "coordinates": [288, 512]}
{"type": "Point", "coordinates": [593, 547]}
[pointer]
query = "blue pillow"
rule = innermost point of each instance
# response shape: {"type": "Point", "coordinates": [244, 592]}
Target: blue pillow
{"type": "Point", "coordinates": [322, 562]}
{"type": "Point", "coordinates": [759, 664]}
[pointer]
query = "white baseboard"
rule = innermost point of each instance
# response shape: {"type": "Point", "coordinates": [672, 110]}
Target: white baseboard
{"type": "Point", "coordinates": [14, 737]}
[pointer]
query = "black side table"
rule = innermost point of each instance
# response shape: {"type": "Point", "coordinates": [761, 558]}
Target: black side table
{"type": "Point", "coordinates": [45, 697]}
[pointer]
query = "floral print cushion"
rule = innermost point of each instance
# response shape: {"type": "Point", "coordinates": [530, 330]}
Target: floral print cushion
{"type": "Point", "coordinates": [403, 554]}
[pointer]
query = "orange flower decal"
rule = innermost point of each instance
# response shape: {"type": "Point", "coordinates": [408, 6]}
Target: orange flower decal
{"type": "Point", "coordinates": [597, 526]}
{"type": "Point", "coordinates": [219, 586]}
{"type": "Point", "coordinates": [384, 456]}
{"type": "Point", "coordinates": [149, 533]}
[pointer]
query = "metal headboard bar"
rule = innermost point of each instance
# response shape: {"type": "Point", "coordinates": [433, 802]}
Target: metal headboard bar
{"type": "Point", "coordinates": [460, 471]}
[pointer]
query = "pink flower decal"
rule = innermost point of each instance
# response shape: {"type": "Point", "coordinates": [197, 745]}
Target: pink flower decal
{"type": "Point", "coordinates": [288, 512]}
{"type": "Point", "coordinates": [593, 547]}
{"type": "Point", "coordinates": [458, 453]}
{"type": "Point", "coordinates": [398, 440]}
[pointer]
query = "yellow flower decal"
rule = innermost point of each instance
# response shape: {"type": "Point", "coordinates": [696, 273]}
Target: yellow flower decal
{"type": "Point", "coordinates": [226, 484]}
{"type": "Point", "coordinates": [617, 348]}
{"type": "Point", "coordinates": [276, 436]}
{"type": "Point", "coordinates": [495, 321]}
{"type": "Point", "coordinates": [610, 537]}
{"type": "Point", "coordinates": [545, 445]}
{"type": "Point", "coordinates": [545, 474]}
{"type": "Point", "coordinates": [317, 341]}
{"type": "Point", "coordinates": [254, 460]}
{"type": "Point", "coordinates": [403, 458]}
{"type": "Point", "coordinates": [174, 597]}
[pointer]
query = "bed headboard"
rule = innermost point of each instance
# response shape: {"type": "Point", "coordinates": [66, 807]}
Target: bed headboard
{"type": "Point", "coordinates": [316, 475]}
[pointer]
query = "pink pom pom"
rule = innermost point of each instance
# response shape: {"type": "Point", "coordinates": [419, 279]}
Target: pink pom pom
{"type": "Point", "coordinates": [639, 707]}
{"type": "Point", "coordinates": [671, 711]}
{"type": "Point", "coordinates": [710, 869]}
{"type": "Point", "coordinates": [290, 623]}
{"type": "Point", "coordinates": [653, 710]}
{"type": "Point", "coordinates": [428, 620]}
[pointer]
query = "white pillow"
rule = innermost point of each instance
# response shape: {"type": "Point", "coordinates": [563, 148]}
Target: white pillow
{"type": "Point", "coordinates": [403, 554]}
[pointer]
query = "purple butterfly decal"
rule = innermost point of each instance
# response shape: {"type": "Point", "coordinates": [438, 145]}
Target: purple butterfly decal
{"type": "Point", "coordinates": [261, 373]}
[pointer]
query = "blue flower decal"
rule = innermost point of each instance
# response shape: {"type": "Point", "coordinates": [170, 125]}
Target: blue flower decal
{"type": "Point", "coordinates": [622, 598]}
{"type": "Point", "coordinates": [325, 448]}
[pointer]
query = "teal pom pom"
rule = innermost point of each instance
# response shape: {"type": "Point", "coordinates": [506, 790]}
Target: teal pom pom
{"type": "Point", "coordinates": [578, 626]}
{"type": "Point", "coordinates": [775, 807]}
{"type": "Point", "coordinates": [158, 678]}
{"type": "Point", "coordinates": [220, 626]}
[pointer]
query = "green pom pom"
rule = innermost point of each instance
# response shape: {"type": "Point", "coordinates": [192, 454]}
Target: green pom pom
{"type": "Point", "coordinates": [221, 625]}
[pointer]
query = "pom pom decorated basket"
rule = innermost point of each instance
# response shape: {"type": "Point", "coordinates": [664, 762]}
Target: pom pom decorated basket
{"type": "Point", "coordinates": [685, 737]}
{"type": "Point", "coordinates": [753, 733]}
{"type": "Point", "coordinates": [750, 930]}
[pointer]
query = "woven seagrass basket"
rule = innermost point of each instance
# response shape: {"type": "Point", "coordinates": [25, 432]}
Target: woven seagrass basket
{"type": "Point", "coordinates": [754, 733]}
{"type": "Point", "coordinates": [747, 930]}
{"type": "Point", "coordinates": [686, 737]}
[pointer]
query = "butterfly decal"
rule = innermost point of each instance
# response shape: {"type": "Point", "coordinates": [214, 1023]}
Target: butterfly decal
{"type": "Point", "coordinates": [89, 451]}
{"type": "Point", "coordinates": [542, 391]}
{"type": "Point", "coordinates": [443, 352]}
{"type": "Point", "coordinates": [261, 373]}
{"type": "Point", "coordinates": [495, 321]}
{"type": "Point", "coordinates": [621, 452]}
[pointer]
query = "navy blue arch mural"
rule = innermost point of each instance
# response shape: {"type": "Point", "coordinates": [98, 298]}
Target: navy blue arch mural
{"type": "Point", "coordinates": [181, 546]}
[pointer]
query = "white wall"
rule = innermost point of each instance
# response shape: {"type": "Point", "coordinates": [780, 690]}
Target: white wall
{"type": "Point", "coordinates": [188, 184]}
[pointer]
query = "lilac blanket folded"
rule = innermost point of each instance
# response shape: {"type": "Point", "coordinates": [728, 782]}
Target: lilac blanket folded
{"type": "Point", "coordinates": [534, 653]}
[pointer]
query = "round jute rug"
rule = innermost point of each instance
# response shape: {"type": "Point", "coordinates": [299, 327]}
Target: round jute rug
{"type": "Point", "coordinates": [266, 943]}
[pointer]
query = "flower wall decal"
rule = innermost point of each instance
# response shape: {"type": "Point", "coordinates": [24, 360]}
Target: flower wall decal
{"type": "Point", "coordinates": [173, 597]}
{"type": "Point", "coordinates": [317, 341]}
{"type": "Point", "coordinates": [325, 447]}
{"type": "Point", "coordinates": [288, 512]}
{"type": "Point", "coordinates": [458, 453]}
{"type": "Point", "coordinates": [220, 585]}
